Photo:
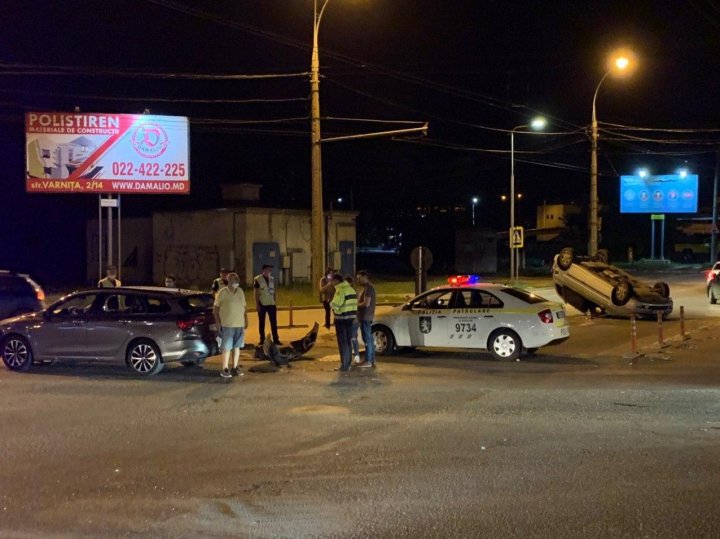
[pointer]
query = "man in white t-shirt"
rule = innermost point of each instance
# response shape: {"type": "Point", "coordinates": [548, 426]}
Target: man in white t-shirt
{"type": "Point", "coordinates": [230, 312]}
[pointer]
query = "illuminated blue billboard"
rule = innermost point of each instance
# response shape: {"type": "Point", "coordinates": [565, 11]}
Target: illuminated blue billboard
{"type": "Point", "coordinates": [666, 193]}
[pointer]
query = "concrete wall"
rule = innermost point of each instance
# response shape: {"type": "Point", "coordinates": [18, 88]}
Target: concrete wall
{"type": "Point", "coordinates": [476, 251]}
{"type": "Point", "coordinates": [192, 246]}
{"type": "Point", "coordinates": [554, 216]}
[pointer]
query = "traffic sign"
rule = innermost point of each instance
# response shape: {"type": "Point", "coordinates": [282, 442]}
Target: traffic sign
{"type": "Point", "coordinates": [657, 216]}
{"type": "Point", "coordinates": [517, 237]}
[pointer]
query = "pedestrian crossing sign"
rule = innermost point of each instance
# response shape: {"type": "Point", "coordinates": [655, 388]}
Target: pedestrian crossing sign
{"type": "Point", "coordinates": [517, 237]}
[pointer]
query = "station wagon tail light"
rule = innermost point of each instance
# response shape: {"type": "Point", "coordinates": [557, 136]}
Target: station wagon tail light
{"type": "Point", "coordinates": [40, 294]}
{"type": "Point", "coordinates": [187, 325]}
{"type": "Point", "coordinates": [457, 280]}
{"type": "Point", "coordinates": [546, 316]}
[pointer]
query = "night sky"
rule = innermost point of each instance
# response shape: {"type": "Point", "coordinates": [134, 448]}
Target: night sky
{"type": "Point", "coordinates": [472, 69]}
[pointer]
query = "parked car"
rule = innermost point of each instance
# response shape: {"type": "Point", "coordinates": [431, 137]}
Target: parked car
{"type": "Point", "coordinates": [590, 283]}
{"type": "Point", "coordinates": [503, 320]}
{"type": "Point", "coordinates": [144, 327]}
{"type": "Point", "coordinates": [19, 294]}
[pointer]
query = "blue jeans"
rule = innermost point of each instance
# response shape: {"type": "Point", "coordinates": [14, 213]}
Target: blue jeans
{"type": "Point", "coordinates": [366, 332]}
{"type": "Point", "coordinates": [343, 328]}
{"type": "Point", "coordinates": [354, 338]}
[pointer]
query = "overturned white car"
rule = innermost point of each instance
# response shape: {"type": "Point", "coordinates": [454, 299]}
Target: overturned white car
{"type": "Point", "coordinates": [591, 283]}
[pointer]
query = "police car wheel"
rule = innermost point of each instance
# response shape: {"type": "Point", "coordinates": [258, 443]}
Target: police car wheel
{"type": "Point", "coordinates": [384, 341]}
{"type": "Point", "coordinates": [505, 345]}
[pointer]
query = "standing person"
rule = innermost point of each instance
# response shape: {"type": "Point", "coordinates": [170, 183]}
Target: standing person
{"type": "Point", "coordinates": [354, 344]}
{"type": "Point", "coordinates": [219, 282]}
{"type": "Point", "coordinates": [366, 315]}
{"type": "Point", "coordinates": [266, 302]}
{"type": "Point", "coordinates": [230, 312]}
{"type": "Point", "coordinates": [170, 281]}
{"type": "Point", "coordinates": [327, 291]}
{"type": "Point", "coordinates": [344, 305]}
{"type": "Point", "coordinates": [111, 280]}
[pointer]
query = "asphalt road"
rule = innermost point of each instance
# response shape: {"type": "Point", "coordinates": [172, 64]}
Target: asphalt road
{"type": "Point", "coordinates": [581, 440]}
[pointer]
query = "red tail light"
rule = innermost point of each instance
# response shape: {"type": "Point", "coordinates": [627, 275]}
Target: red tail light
{"type": "Point", "coordinates": [40, 294]}
{"type": "Point", "coordinates": [546, 316]}
{"type": "Point", "coordinates": [187, 325]}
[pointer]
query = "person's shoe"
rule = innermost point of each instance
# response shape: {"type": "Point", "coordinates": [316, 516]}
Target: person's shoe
{"type": "Point", "coordinates": [366, 365]}
{"type": "Point", "coordinates": [327, 326]}
{"type": "Point", "coordinates": [225, 373]}
{"type": "Point", "coordinates": [278, 343]}
{"type": "Point", "coordinates": [234, 371]}
{"type": "Point", "coordinates": [356, 359]}
{"type": "Point", "coordinates": [340, 369]}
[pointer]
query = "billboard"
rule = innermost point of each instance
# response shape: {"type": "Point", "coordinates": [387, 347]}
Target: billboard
{"type": "Point", "coordinates": [667, 193]}
{"type": "Point", "coordinates": [72, 152]}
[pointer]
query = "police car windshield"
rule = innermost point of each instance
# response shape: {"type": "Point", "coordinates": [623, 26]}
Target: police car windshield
{"type": "Point", "coordinates": [523, 295]}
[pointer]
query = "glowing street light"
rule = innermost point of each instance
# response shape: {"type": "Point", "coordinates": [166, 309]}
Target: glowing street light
{"type": "Point", "coordinates": [622, 62]}
{"type": "Point", "coordinates": [536, 124]}
{"type": "Point", "coordinates": [474, 201]}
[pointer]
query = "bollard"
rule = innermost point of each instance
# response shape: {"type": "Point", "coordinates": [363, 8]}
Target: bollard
{"type": "Point", "coordinates": [290, 323]}
{"type": "Point", "coordinates": [682, 323]}
{"type": "Point", "coordinates": [660, 329]}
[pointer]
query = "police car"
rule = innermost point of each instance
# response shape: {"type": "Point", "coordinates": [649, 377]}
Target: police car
{"type": "Point", "coordinates": [465, 313]}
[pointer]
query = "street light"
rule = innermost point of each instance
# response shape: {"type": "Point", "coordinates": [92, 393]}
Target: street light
{"type": "Point", "coordinates": [621, 62]}
{"type": "Point", "coordinates": [536, 124]}
{"type": "Point", "coordinates": [317, 236]}
{"type": "Point", "coordinates": [474, 201]}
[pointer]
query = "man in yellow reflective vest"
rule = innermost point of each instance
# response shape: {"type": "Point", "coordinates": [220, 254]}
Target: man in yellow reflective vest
{"type": "Point", "coordinates": [344, 305]}
{"type": "Point", "coordinates": [266, 302]}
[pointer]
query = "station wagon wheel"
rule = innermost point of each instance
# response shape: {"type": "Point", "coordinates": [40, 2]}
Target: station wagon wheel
{"type": "Point", "coordinates": [384, 341]}
{"type": "Point", "coordinates": [16, 353]}
{"type": "Point", "coordinates": [566, 258]}
{"type": "Point", "coordinates": [504, 345]}
{"type": "Point", "coordinates": [621, 293]}
{"type": "Point", "coordinates": [662, 288]}
{"type": "Point", "coordinates": [143, 357]}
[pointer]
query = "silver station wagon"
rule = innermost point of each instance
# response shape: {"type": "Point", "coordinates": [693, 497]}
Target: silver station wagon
{"type": "Point", "coordinates": [144, 327]}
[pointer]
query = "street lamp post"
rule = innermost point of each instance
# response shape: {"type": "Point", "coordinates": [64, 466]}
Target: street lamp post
{"type": "Point", "coordinates": [537, 123]}
{"type": "Point", "coordinates": [620, 62]}
{"type": "Point", "coordinates": [317, 236]}
{"type": "Point", "coordinates": [474, 201]}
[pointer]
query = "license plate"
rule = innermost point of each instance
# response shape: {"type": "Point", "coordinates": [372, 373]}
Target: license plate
{"type": "Point", "coordinates": [560, 314]}
{"type": "Point", "coordinates": [564, 332]}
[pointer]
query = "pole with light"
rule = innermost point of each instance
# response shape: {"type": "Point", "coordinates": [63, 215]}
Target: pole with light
{"type": "Point", "coordinates": [536, 124]}
{"type": "Point", "coordinates": [621, 62]}
{"type": "Point", "coordinates": [317, 236]}
{"type": "Point", "coordinates": [474, 201]}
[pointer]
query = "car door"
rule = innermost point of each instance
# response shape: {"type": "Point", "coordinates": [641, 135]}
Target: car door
{"type": "Point", "coordinates": [63, 331]}
{"type": "Point", "coordinates": [472, 318]}
{"type": "Point", "coordinates": [115, 324]}
{"type": "Point", "coordinates": [428, 323]}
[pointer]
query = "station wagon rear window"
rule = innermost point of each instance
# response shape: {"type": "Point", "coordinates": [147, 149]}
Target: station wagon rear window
{"type": "Point", "coordinates": [197, 303]}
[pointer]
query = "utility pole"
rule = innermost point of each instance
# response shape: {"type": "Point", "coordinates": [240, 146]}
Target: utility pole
{"type": "Point", "coordinates": [713, 242]}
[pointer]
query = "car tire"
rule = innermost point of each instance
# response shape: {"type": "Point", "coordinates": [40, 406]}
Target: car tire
{"type": "Point", "coordinates": [384, 341]}
{"type": "Point", "coordinates": [16, 353]}
{"type": "Point", "coordinates": [566, 258]}
{"type": "Point", "coordinates": [504, 345]}
{"type": "Point", "coordinates": [603, 256]}
{"type": "Point", "coordinates": [711, 296]}
{"type": "Point", "coordinates": [143, 357]}
{"type": "Point", "coordinates": [621, 293]}
{"type": "Point", "coordinates": [662, 288]}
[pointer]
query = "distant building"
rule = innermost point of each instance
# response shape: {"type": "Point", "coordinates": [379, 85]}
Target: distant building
{"type": "Point", "coordinates": [554, 219]}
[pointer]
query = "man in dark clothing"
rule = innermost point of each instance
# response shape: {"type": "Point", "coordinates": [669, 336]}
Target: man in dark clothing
{"type": "Point", "coordinates": [366, 315]}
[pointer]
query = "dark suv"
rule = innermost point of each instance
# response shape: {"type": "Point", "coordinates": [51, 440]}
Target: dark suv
{"type": "Point", "coordinates": [19, 294]}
